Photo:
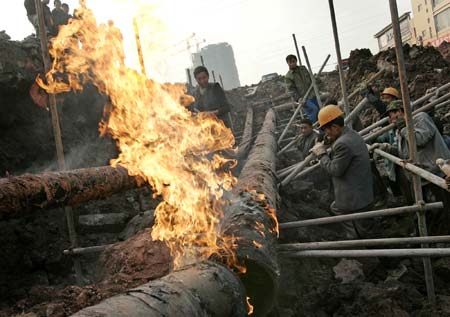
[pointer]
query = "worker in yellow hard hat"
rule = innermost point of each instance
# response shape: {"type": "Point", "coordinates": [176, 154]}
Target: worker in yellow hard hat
{"type": "Point", "coordinates": [389, 94]}
{"type": "Point", "coordinates": [348, 164]}
{"type": "Point", "coordinates": [381, 101]}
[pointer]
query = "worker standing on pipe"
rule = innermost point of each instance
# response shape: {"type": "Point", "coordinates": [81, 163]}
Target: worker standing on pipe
{"type": "Point", "coordinates": [430, 147]}
{"type": "Point", "coordinates": [298, 82]}
{"type": "Point", "coordinates": [210, 97]}
{"type": "Point", "coordinates": [349, 166]}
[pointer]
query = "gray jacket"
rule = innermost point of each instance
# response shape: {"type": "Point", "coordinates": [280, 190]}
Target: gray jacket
{"type": "Point", "coordinates": [349, 167]}
{"type": "Point", "coordinates": [430, 143]}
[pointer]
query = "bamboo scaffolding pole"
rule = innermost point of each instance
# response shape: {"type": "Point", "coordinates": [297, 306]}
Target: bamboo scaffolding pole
{"type": "Point", "coordinates": [360, 215]}
{"type": "Point", "coordinates": [313, 79]}
{"type": "Point", "coordinates": [57, 133]}
{"type": "Point", "coordinates": [327, 245]}
{"type": "Point", "coordinates": [87, 250]}
{"type": "Point", "coordinates": [412, 144]}
{"type": "Point", "coordinates": [415, 170]}
{"type": "Point", "coordinates": [390, 253]}
{"type": "Point", "coordinates": [297, 169]}
{"type": "Point", "coordinates": [296, 49]}
{"type": "Point", "coordinates": [288, 146]}
{"type": "Point", "coordinates": [139, 47]}
{"type": "Point", "coordinates": [361, 105]}
{"type": "Point", "coordinates": [339, 58]}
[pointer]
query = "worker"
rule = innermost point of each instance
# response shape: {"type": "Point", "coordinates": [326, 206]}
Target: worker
{"type": "Point", "coordinates": [348, 164]}
{"type": "Point", "coordinates": [47, 16]}
{"type": "Point", "coordinates": [210, 97]}
{"type": "Point", "coordinates": [298, 81]}
{"type": "Point", "coordinates": [59, 17]}
{"type": "Point", "coordinates": [66, 10]}
{"type": "Point", "coordinates": [430, 147]}
{"type": "Point", "coordinates": [30, 7]}
{"type": "Point", "coordinates": [380, 104]}
{"type": "Point", "coordinates": [307, 138]}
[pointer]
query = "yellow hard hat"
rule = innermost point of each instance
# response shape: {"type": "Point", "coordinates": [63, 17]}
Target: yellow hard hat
{"type": "Point", "coordinates": [328, 114]}
{"type": "Point", "coordinates": [391, 91]}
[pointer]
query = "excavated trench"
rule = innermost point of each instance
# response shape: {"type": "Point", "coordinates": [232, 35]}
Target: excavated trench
{"type": "Point", "coordinates": [36, 278]}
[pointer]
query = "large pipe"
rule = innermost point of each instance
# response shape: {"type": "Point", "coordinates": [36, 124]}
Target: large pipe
{"type": "Point", "coordinates": [390, 253]}
{"type": "Point", "coordinates": [203, 289]}
{"type": "Point", "coordinates": [251, 220]}
{"type": "Point", "coordinates": [327, 245]}
{"type": "Point", "coordinates": [246, 139]}
{"type": "Point", "coordinates": [22, 195]}
{"type": "Point", "coordinates": [209, 289]}
{"type": "Point", "coordinates": [361, 215]}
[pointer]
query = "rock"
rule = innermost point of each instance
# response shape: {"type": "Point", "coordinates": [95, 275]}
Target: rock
{"type": "Point", "coordinates": [348, 271]}
{"type": "Point", "coordinates": [138, 223]}
{"type": "Point", "coordinates": [55, 310]}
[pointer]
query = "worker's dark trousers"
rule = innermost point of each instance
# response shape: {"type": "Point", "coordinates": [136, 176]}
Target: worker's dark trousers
{"type": "Point", "coordinates": [355, 229]}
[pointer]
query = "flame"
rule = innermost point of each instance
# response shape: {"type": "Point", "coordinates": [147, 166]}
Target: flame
{"type": "Point", "coordinates": [250, 307]}
{"type": "Point", "coordinates": [158, 138]}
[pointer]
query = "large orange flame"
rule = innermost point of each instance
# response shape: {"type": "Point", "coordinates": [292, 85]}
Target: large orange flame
{"type": "Point", "coordinates": [158, 138]}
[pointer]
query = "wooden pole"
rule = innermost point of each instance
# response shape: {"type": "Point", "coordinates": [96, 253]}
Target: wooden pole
{"type": "Point", "coordinates": [221, 82]}
{"type": "Point", "coordinates": [57, 133]}
{"type": "Point", "coordinates": [360, 215]}
{"type": "Point", "coordinates": [139, 47]}
{"type": "Point", "coordinates": [313, 79]}
{"type": "Point", "coordinates": [324, 245]}
{"type": "Point", "coordinates": [296, 49]}
{"type": "Point", "coordinates": [389, 253]}
{"type": "Point", "coordinates": [412, 145]}
{"type": "Point", "coordinates": [339, 58]}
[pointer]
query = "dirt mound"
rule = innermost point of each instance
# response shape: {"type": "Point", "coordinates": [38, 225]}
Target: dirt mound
{"type": "Point", "coordinates": [444, 49]}
{"type": "Point", "coordinates": [123, 266]}
{"type": "Point", "coordinates": [425, 68]}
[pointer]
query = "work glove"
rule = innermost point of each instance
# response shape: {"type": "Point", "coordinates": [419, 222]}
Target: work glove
{"type": "Point", "coordinates": [385, 147]}
{"type": "Point", "coordinates": [400, 123]}
{"type": "Point", "coordinates": [319, 149]}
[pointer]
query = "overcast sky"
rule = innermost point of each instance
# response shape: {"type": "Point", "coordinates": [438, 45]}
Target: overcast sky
{"type": "Point", "coordinates": [260, 31]}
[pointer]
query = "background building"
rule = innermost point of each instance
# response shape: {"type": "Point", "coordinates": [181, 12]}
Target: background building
{"type": "Point", "coordinates": [218, 58]}
{"type": "Point", "coordinates": [431, 21]}
{"type": "Point", "coordinates": [385, 37]}
{"type": "Point", "coordinates": [430, 25]}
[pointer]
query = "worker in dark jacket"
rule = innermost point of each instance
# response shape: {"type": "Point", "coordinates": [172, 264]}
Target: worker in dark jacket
{"type": "Point", "coordinates": [32, 14]}
{"type": "Point", "coordinates": [210, 97]}
{"type": "Point", "coordinates": [59, 17]}
{"type": "Point", "coordinates": [298, 81]}
{"type": "Point", "coordinates": [348, 164]}
{"type": "Point", "coordinates": [307, 139]}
